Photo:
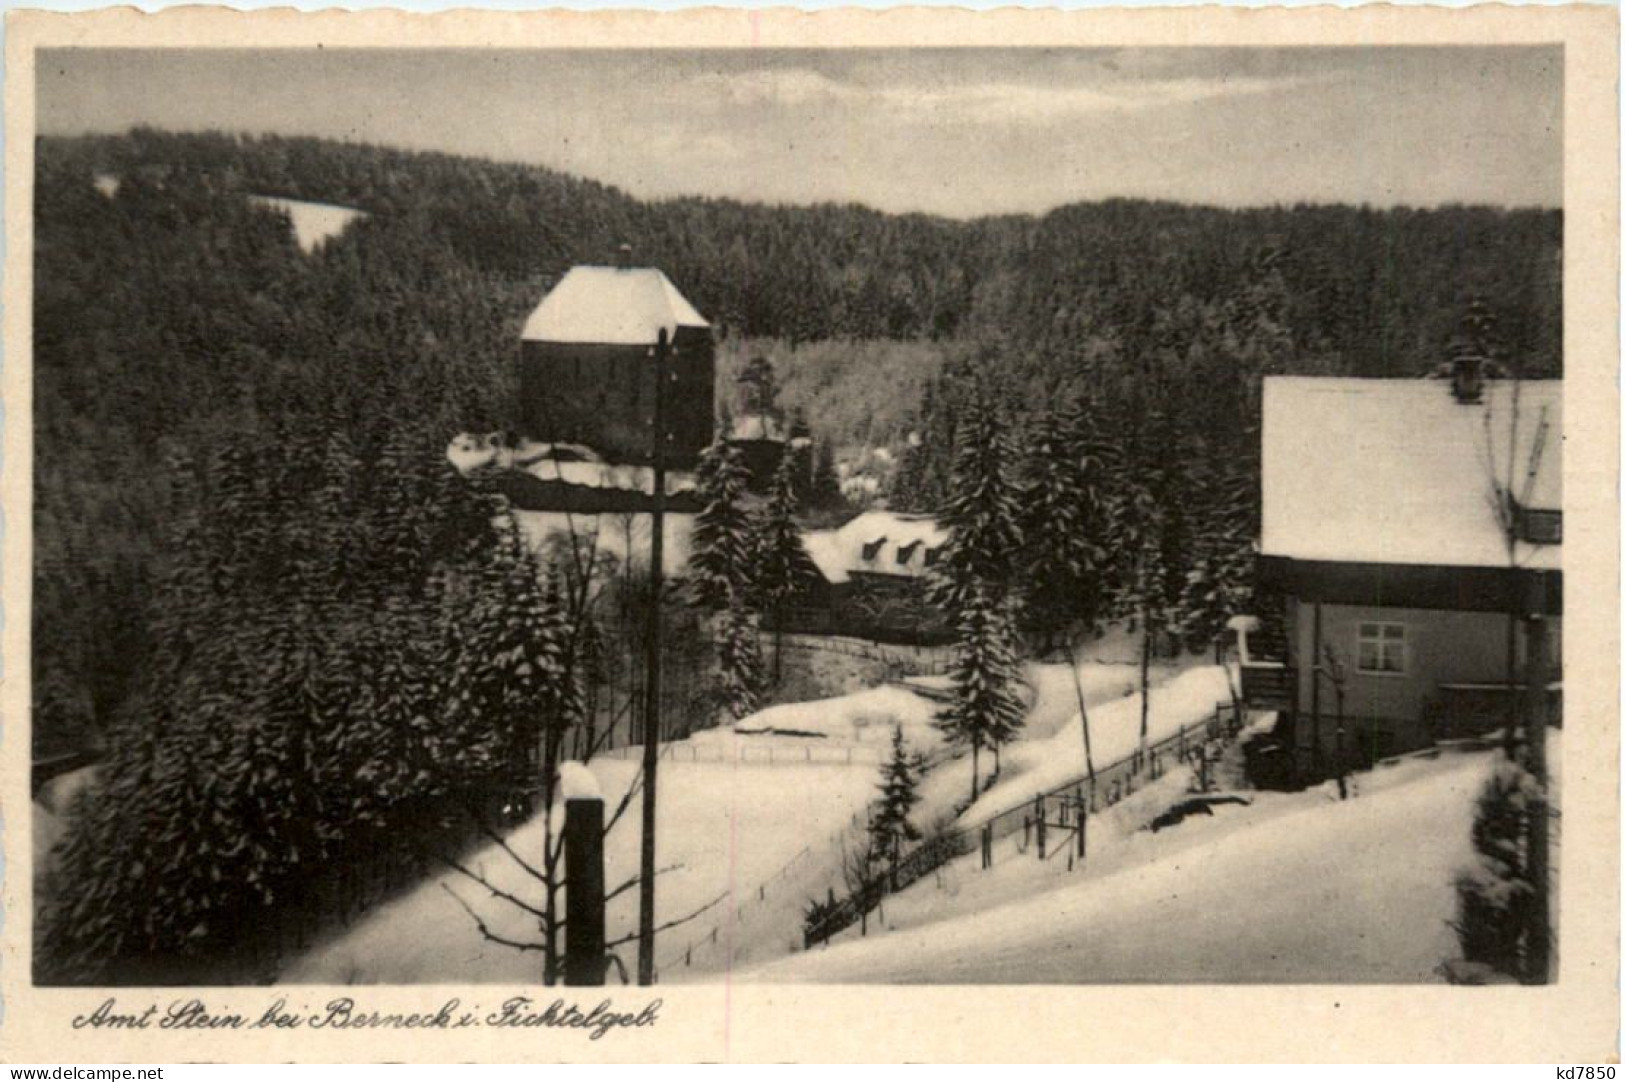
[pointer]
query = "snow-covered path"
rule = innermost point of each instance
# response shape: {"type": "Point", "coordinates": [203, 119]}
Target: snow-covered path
{"type": "Point", "coordinates": [1295, 888]}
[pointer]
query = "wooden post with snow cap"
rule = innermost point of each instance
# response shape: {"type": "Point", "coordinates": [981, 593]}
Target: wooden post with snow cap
{"type": "Point", "coordinates": [585, 959]}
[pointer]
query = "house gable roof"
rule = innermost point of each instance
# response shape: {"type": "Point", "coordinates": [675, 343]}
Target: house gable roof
{"type": "Point", "coordinates": [1396, 471]}
{"type": "Point", "coordinates": [839, 552]}
{"type": "Point", "coordinates": [618, 306]}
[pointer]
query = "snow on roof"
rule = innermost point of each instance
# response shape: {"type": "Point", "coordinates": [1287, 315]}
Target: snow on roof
{"type": "Point", "coordinates": [841, 551]}
{"type": "Point", "coordinates": [1397, 471]}
{"type": "Point", "coordinates": [618, 306]}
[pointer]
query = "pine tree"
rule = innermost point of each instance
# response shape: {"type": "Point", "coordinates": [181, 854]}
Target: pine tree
{"type": "Point", "coordinates": [889, 827]}
{"type": "Point", "coordinates": [986, 710]}
{"type": "Point", "coordinates": [720, 562]}
{"type": "Point", "coordinates": [1219, 584]}
{"type": "Point", "coordinates": [825, 482]}
{"type": "Point", "coordinates": [1150, 538]}
{"type": "Point", "coordinates": [1065, 566]}
{"type": "Point", "coordinates": [981, 512]}
{"type": "Point", "coordinates": [739, 661]}
{"type": "Point", "coordinates": [781, 566]}
{"type": "Point", "coordinates": [971, 584]}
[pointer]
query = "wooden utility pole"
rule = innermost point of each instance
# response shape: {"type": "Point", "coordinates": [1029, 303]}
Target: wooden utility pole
{"type": "Point", "coordinates": [1083, 716]}
{"type": "Point", "coordinates": [651, 703]}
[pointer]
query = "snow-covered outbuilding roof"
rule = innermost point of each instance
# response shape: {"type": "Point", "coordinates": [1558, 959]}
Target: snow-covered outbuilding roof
{"type": "Point", "coordinates": [881, 542]}
{"type": "Point", "coordinates": [617, 306]}
{"type": "Point", "coordinates": [1397, 471]}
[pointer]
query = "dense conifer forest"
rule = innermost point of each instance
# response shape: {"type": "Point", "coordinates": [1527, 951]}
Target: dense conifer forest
{"type": "Point", "coordinates": [239, 445]}
{"type": "Point", "coordinates": [175, 315]}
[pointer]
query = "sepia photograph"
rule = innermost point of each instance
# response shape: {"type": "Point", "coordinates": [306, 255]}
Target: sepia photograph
{"type": "Point", "coordinates": [790, 516]}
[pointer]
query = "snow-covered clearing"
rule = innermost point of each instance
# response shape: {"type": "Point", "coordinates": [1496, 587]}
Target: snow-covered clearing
{"type": "Point", "coordinates": [313, 223]}
{"type": "Point", "coordinates": [1293, 888]}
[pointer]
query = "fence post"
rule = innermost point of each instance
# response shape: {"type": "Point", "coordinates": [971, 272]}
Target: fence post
{"type": "Point", "coordinates": [987, 846]}
{"type": "Point", "coordinates": [1083, 831]}
{"type": "Point", "coordinates": [1182, 743]}
{"type": "Point", "coordinates": [1038, 808]}
{"type": "Point", "coordinates": [584, 956]}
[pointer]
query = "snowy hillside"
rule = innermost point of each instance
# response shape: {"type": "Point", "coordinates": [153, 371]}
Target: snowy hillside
{"type": "Point", "coordinates": [762, 837]}
{"type": "Point", "coordinates": [725, 827]}
{"type": "Point", "coordinates": [1039, 764]}
{"type": "Point", "coordinates": [1294, 888]}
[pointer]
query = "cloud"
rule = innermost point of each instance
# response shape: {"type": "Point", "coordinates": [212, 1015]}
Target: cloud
{"type": "Point", "coordinates": [1018, 103]}
{"type": "Point", "coordinates": [771, 86]}
{"type": "Point", "coordinates": [1001, 102]}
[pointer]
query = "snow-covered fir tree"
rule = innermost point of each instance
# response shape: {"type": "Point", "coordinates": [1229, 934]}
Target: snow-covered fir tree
{"type": "Point", "coordinates": [739, 660]}
{"type": "Point", "coordinates": [1150, 540]}
{"type": "Point", "coordinates": [781, 566]}
{"type": "Point", "coordinates": [982, 510]}
{"type": "Point", "coordinates": [986, 710]}
{"type": "Point", "coordinates": [1219, 584]}
{"type": "Point", "coordinates": [1065, 566]}
{"type": "Point", "coordinates": [890, 828]}
{"type": "Point", "coordinates": [972, 585]}
{"type": "Point", "coordinates": [719, 565]}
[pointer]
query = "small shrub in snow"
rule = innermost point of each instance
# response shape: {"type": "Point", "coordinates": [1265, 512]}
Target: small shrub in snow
{"type": "Point", "coordinates": [1494, 894]}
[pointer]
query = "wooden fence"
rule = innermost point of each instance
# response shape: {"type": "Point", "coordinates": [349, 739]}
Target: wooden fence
{"type": "Point", "coordinates": [807, 752]}
{"type": "Point", "coordinates": [1072, 802]}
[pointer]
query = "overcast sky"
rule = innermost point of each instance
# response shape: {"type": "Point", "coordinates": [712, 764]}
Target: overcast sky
{"type": "Point", "coordinates": [958, 132]}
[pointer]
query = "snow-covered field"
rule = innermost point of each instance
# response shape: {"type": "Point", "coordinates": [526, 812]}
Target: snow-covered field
{"type": "Point", "coordinates": [1292, 888]}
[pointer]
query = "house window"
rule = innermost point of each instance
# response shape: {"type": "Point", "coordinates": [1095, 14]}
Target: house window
{"type": "Point", "coordinates": [905, 553]}
{"type": "Point", "coordinates": [931, 556]}
{"type": "Point", "coordinates": [1381, 649]}
{"type": "Point", "coordinates": [871, 549]}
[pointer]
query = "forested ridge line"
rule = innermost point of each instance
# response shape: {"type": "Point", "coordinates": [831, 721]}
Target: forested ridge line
{"type": "Point", "coordinates": [174, 317]}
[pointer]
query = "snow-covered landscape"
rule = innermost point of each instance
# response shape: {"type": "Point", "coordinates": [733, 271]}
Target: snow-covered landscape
{"type": "Point", "coordinates": [754, 840]}
{"type": "Point", "coordinates": [1292, 887]}
{"type": "Point", "coordinates": [1297, 888]}
{"type": "Point", "coordinates": [762, 519]}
